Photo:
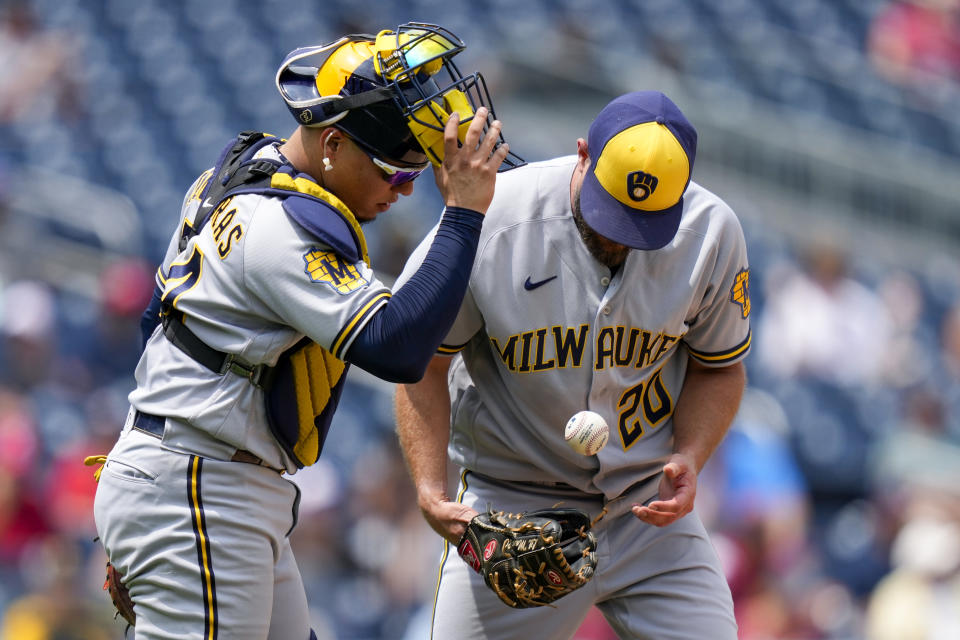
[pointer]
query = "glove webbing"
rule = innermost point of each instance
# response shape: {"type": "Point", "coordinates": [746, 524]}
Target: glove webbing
{"type": "Point", "coordinates": [523, 592]}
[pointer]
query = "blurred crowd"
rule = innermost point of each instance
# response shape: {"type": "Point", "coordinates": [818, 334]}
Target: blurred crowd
{"type": "Point", "coordinates": [836, 495]}
{"type": "Point", "coordinates": [834, 501]}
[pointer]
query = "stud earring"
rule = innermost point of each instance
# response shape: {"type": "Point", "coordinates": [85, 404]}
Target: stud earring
{"type": "Point", "coordinates": [327, 165]}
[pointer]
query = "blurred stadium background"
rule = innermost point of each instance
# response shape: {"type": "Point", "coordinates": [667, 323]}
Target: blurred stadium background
{"type": "Point", "coordinates": [832, 127]}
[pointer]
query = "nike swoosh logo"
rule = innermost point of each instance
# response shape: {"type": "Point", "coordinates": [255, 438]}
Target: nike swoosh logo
{"type": "Point", "coordinates": [530, 286]}
{"type": "Point", "coordinates": [207, 203]}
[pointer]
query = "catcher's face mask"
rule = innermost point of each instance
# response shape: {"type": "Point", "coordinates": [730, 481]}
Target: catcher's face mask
{"type": "Point", "coordinates": [410, 69]}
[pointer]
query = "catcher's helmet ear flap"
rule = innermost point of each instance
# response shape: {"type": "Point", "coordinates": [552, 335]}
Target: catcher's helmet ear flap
{"type": "Point", "coordinates": [384, 91]}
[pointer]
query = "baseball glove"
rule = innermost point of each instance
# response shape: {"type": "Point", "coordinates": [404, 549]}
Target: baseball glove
{"type": "Point", "coordinates": [531, 559]}
{"type": "Point", "coordinates": [119, 594]}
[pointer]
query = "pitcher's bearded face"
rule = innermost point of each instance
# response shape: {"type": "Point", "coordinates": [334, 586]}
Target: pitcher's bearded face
{"type": "Point", "coordinates": [605, 251]}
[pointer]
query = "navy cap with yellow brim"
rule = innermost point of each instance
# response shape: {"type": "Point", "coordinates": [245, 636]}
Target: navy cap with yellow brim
{"type": "Point", "coordinates": [642, 150]}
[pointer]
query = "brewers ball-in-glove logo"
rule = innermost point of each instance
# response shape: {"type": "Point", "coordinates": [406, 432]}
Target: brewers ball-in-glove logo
{"type": "Point", "coordinates": [740, 291]}
{"type": "Point", "coordinates": [641, 185]}
{"type": "Point", "coordinates": [328, 268]}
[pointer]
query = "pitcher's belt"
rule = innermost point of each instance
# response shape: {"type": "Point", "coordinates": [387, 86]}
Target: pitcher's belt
{"type": "Point", "coordinates": [154, 426]}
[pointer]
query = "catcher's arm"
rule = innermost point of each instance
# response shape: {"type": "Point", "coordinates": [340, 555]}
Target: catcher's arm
{"type": "Point", "coordinates": [423, 428]}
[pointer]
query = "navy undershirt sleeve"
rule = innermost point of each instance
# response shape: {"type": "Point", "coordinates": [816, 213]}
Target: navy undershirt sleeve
{"type": "Point", "coordinates": [399, 341]}
{"type": "Point", "coordinates": [150, 318]}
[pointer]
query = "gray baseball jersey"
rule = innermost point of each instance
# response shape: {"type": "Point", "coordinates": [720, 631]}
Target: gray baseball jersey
{"type": "Point", "coordinates": [254, 283]}
{"type": "Point", "coordinates": [545, 331]}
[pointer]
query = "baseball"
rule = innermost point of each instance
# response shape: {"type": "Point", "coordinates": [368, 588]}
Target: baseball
{"type": "Point", "coordinates": [586, 432]}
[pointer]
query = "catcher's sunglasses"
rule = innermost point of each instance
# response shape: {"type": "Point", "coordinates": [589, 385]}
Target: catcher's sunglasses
{"type": "Point", "coordinates": [391, 173]}
{"type": "Point", "coordinates": [397, 175]}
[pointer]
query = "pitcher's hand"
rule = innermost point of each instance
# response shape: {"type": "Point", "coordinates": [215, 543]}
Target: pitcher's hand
{"type": "Point", "coordinates": [678, 489]}
{"type": "Point", "coordinates": [447, 518]}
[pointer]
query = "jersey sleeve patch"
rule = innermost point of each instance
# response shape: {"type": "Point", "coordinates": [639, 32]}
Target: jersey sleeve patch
{"type": "Point", "coordinates": [328, 267]}
{"type": "Point", "coordinates": [723, 357]}
{"type": "Point", "coordinates": [740, 291]}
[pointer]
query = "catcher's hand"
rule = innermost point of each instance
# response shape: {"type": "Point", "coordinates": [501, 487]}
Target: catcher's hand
{"type": "Point", "coordinates": [119, 594]}
{"type": "Point", "coordinates": [531, 559]}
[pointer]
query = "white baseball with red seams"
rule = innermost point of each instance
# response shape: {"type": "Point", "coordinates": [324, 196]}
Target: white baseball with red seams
{"type": "Point", "coordinates": [586, 432]}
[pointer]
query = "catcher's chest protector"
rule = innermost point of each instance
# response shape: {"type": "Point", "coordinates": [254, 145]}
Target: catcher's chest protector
{"type": "Point", "coordinates": [302, 390]}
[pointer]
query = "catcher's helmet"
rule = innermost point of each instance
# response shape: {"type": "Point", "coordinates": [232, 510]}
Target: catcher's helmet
{"type": "Point", "coordinates": [385, 91]}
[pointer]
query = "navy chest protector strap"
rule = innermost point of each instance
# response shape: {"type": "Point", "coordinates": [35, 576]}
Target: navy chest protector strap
{"type": "Point", "coordinates": [302, 390]}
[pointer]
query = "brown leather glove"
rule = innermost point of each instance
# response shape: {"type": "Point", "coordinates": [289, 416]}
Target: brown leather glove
{"type": "Point", "coordinates": [119, 594]}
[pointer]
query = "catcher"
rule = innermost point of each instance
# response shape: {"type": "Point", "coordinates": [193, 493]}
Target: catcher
{"type": "Point", "coordinates": [265, 299]}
